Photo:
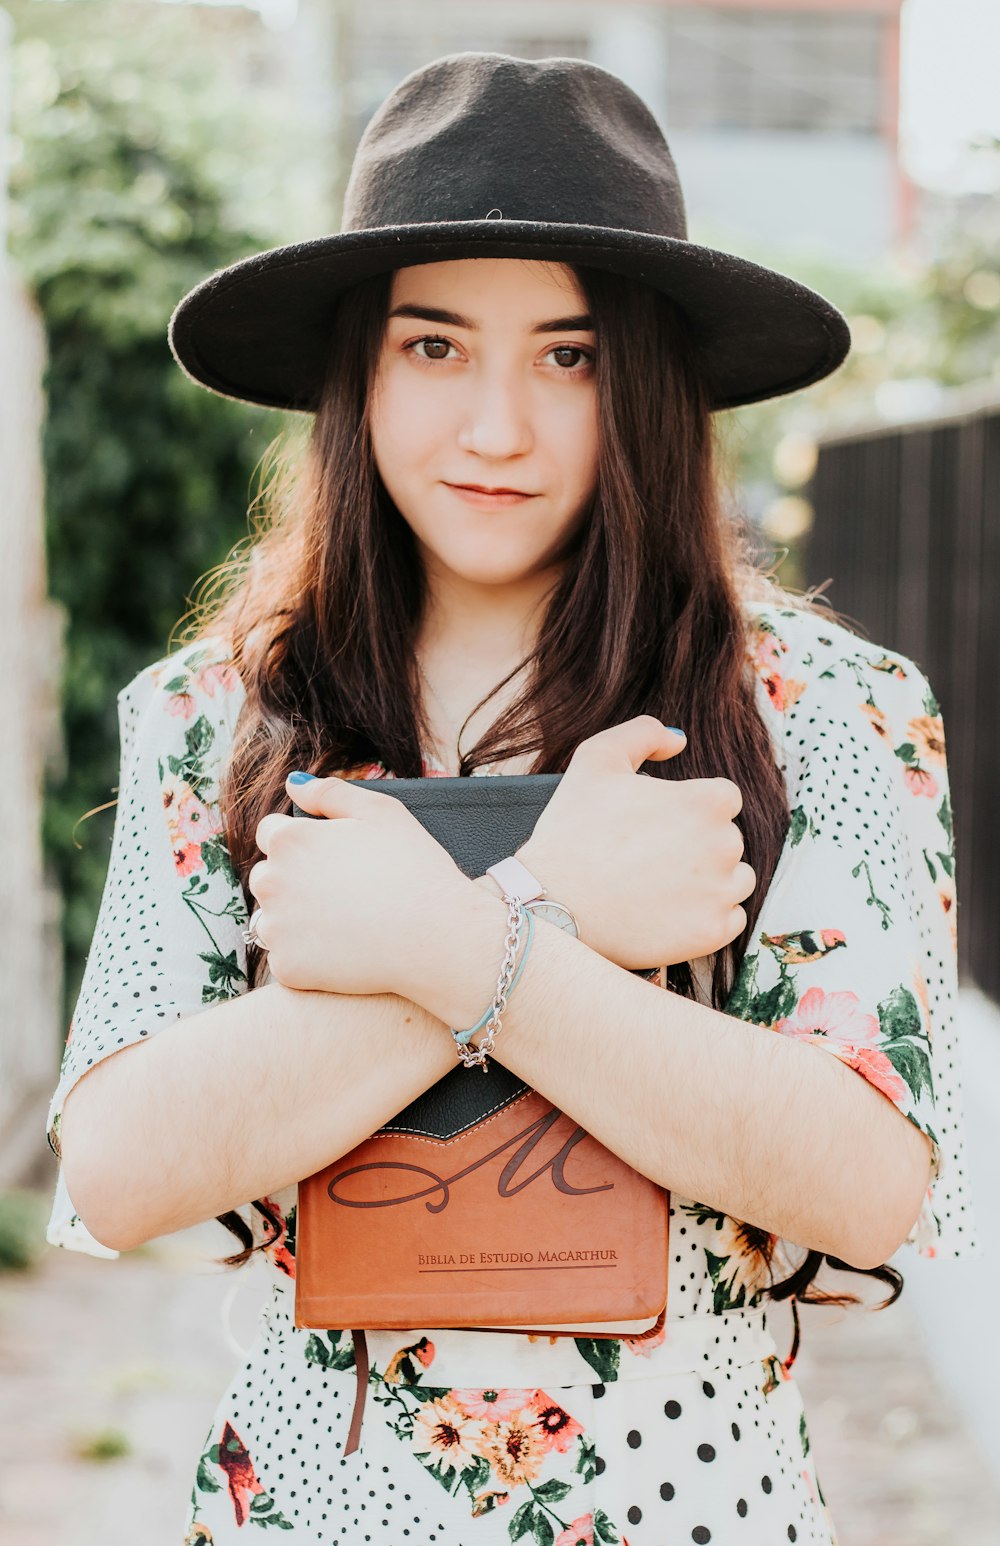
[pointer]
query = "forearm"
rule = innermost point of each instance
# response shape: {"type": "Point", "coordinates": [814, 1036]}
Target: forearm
{"type": "Point", "coordinates": [237, 1102]}
{"type": "Point", "coordinates": [775, 1132]}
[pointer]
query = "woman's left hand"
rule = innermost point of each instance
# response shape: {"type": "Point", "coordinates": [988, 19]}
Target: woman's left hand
{"type": "Point", "coordinates": [358, 902]}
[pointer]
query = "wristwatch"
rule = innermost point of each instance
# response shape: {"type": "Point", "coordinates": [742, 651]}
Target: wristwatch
{"type": "Point", "coordinates": [516, 880]}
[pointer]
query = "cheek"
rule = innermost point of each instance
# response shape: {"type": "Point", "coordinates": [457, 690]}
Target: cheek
{"type": "Point", "coordinates": [576, 439]}
{"type": "Point", "coordinates": [403, 428]}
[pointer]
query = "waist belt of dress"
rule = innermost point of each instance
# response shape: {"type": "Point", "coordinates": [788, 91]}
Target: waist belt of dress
{"type": "Point", "coordinates": [482, 1360]}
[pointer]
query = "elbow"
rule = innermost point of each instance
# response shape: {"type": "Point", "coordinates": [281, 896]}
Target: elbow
{"type": "Point", "coordinates": [899, 1205]}
{"type": "Point", "coordinates": [895, 1237]}
{"type": "Point", "coordinates": [94, 1186]}
{"type": "Point", "coordinates": [93, 1203]}
{"type": "Point", "coordinates": [868, 1260]}
{"type": "Point", "coordinates": [864, 1252]}
{"type": "Point", "coordinates": [865, 1260]}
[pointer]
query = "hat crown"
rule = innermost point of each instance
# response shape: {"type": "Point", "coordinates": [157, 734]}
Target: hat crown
{"type": "Point", "coordinates": [489, 156]}
{"type": "Point", "coordinates": [474, 136]}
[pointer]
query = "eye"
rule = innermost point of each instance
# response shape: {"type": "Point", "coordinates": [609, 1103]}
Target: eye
{"type": "Point", "coordinates": [430, 347]}
{"type": "Point", "coordinates": [572, 357]}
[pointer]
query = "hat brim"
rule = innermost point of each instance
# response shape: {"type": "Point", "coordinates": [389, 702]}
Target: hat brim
{"type": "Point", "coordinates": [259, 330]}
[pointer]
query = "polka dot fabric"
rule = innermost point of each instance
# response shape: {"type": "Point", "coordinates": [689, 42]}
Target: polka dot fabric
{"type": "Point", "coordinates": [647, 1458]}
{"type": "Point", "coordinates": [471, 1437]}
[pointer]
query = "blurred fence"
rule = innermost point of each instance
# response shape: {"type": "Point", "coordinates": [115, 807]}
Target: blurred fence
{"type": "Point", "coordinates": [908, 528]}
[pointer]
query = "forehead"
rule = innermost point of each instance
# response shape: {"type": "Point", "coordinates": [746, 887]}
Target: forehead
{"type": "Point", "coordinates": [483, 287]}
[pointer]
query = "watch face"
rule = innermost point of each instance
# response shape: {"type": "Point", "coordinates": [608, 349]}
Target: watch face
{"type": "Point", "coordinates": [554, 912]}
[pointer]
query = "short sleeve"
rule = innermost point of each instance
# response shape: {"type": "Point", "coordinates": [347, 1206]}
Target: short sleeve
{"type": "Point", "coordinates": [168, 940]}
{"type": "Point", "coordinates": [855, 947]}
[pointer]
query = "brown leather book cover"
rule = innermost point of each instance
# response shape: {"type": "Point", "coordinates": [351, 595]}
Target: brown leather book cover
{"type": "Point", "coordinates": [522, 1221]}
{"type": "Point", "coordinates": [481, 1205]}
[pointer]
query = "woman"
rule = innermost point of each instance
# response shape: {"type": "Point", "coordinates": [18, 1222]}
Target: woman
{"type": "Point", "coordinates": [507, 535]}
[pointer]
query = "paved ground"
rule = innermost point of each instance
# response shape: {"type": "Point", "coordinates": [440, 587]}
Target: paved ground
{"type": "Point", "coordinates": [897, 1464]}
{"type": "Point", "coordinates": [140, 1346]}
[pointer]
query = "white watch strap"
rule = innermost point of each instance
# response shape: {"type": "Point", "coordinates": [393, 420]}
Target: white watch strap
{"type": "Point", "coordinates": [515, 879]}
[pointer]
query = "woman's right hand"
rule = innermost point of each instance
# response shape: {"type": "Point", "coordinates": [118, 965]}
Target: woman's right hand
{"type": "Point", "coordinates": [651, 868]}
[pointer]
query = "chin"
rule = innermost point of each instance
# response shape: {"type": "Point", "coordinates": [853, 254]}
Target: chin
{"type": "Point", "coordinates": [493, 576]}
{"type": "Point", "coordinates": [478, 568]}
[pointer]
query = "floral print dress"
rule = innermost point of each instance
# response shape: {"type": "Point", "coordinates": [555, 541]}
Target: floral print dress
{"type": "Point", "coordinates": [484, 1438]}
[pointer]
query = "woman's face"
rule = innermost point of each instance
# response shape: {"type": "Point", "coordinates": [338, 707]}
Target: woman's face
{"type": "Point", "coordinates": [484, 414]}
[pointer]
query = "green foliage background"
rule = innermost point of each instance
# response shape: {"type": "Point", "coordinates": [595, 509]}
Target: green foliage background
{"type": "Point", "coordinates": [125, 194]}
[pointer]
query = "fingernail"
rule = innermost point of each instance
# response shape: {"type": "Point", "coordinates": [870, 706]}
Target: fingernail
{"type": "Point", "coordinates": [675, 728]}
{"type": "Point", "coordinates": [300, 778]}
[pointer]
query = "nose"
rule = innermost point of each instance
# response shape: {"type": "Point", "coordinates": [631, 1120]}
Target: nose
{"type": "Point", "coordinates": [496, 423]}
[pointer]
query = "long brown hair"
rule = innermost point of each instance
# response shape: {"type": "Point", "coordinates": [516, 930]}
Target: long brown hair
{"type": "Point", "coordinates": [323, 608]}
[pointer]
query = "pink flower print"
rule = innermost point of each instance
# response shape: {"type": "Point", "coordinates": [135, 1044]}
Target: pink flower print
{"type": "Point", "coordinates": [494, 1406]}
{"type": "Point", "coordinates": [768, 652]}
{"type": "Point", "coordinates": [766, 658]}
{"type": "Point", "coordinates": [189, 821]}
{"type": "Point", "coordinates": [187, 858]}
{"type": "Point", "coordinates": [556, 1424]}
{"type": "Point", "coordinates": [781, 693]}
{"type": "Point", "coordinates": [194, 820]}
{"type": "Point", "coordinates": [579, 1533]}
{"type": "Point", "coordinates": [834, 1020]}
{"type": "Point", "coordinates": [221, 675]}
{"type": "Point", "coordinates": [919, 781]}
{"type": "Point", "coordinates": [876, 1068]}
{"type": "Point", "coordinates": [829, 1014]}
{"type": "Point", "coordinates": [181, 704]}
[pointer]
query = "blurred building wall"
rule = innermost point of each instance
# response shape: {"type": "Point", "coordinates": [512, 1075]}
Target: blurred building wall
{"type": "Point", "coordinates": [783, 117]}
{"type": "Point", "coordinates": [782, 114]}
{"type": "Point", "coordinates": [30, 651]}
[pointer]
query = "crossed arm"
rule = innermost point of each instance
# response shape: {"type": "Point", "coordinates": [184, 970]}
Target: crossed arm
{"type": "Point", "coordinates": [249, 1096]}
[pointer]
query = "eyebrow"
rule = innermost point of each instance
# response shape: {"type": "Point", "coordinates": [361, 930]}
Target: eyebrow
{"type": "Point", "coordinates": [580, 324]}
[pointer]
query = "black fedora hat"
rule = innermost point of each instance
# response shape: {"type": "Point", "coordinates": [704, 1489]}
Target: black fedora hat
{"type": "Point", "coordinates": [485, 155]}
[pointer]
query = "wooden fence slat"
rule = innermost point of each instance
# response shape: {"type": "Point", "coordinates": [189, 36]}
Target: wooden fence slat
{"type": "Point", "coordinates": [908, 530]}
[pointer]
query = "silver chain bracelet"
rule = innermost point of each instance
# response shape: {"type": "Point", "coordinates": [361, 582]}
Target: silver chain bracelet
{"type": "Point", "coordinates": [471, 1056]}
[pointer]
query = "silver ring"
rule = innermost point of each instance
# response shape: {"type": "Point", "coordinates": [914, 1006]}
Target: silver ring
{"type": "Point", "coordinates": [250, 935]}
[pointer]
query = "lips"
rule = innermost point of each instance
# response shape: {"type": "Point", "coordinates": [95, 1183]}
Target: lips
{"type": "Point", "coordinates": [479, 488]}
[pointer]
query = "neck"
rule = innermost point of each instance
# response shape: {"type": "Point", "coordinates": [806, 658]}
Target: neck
{"type": "Point", "coordinates": [490, 628]}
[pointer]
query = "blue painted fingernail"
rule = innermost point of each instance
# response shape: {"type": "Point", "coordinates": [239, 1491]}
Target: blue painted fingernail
{"type": "Point", "coordinates": [676, 729]}
{"type": "Point", "coordinates": [300, 778]}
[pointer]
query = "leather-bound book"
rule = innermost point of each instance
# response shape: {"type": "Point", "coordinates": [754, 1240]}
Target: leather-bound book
{"type": "Point", "coordinates": [481, 1205]}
